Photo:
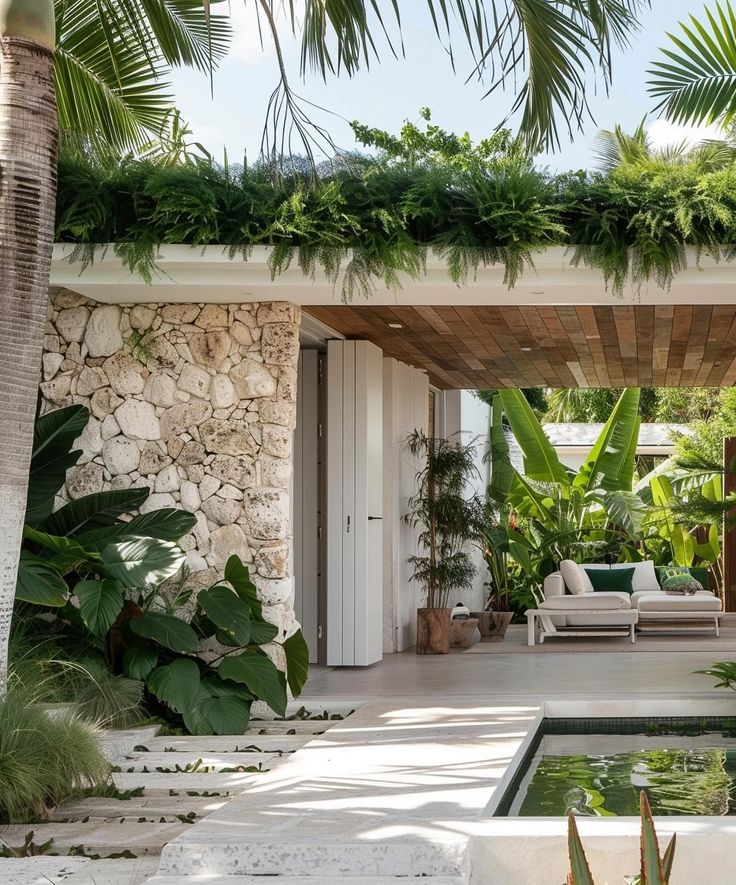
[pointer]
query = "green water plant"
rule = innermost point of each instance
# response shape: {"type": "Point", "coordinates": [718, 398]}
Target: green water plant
{"type": "Point", "coordinates": [655, 868]}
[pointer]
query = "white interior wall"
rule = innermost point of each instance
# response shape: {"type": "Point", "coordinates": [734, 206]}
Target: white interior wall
{"type": "Point", "coordinates": [405, 408]}
{"type": "Point", "coordinates": [469, 416]}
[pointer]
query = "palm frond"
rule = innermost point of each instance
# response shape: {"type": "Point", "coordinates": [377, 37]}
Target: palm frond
{"type": "Point", "coordinates": [695, 82]}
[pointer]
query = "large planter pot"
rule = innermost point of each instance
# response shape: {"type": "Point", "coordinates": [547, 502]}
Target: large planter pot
{"type": "Point", "coordinates": [493, 625]}
{"type": "Point", "coordinates": [433, 631]}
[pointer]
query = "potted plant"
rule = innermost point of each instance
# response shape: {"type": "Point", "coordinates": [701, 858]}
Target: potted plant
{"type": "Point", "coordinates": [441, 510]}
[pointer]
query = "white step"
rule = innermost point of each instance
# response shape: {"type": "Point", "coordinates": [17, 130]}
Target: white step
{"type": "Point", "coordinates": [158, 782]}
{"type": "Point", "coordinates": [285, 726]}
{"type": "Point", "coordinates": [96, 838]}
{"type": "Point", "coordinates": [114, 872]}
{"type": "Point", "coordinates": [305, 880]}
{"type": "Point", "coordinates": [116, 744]}
{"type": "Point", "coordinates": [150, 807]}
{"type": "Point", "coordinates": [230, 743]}
{"type": "Point", "coordinates": [196, 762]}
{"type": "Point", "coordinates": [39, 870]}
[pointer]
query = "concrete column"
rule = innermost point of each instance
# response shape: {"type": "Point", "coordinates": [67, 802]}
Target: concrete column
{"type": "Point", "coordinates": [197, 402]}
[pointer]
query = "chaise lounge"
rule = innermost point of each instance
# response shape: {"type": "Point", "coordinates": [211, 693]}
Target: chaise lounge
{"type": "Point", "coordinates": [635, 602]}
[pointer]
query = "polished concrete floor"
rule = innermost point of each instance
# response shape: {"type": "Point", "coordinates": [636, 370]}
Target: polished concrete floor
{"type": "Point", "coordinates": [521, 677]}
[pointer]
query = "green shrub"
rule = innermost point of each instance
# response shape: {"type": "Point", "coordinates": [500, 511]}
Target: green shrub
{"type": "Point", "coordinates": [45, 759]}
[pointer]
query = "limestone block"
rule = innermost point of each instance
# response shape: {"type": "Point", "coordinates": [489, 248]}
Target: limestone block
{"type": "Point", "coordinates": [57, 390]}
{"type": "Point", "coordinates": [222, 392]}
{"type": "Point", "coordinates": [237, 471]}
{"type": "Point", "coordinates": [276, 440]}
{"type": "Point", "coordinates": [191, 453]}
{"type": "Point", "coordinates": [194, 380]}
{"type": "Point", "coordinates": [189, 496]}
{"type": "Point", "coordinates": [121, 482]}
{"type": "Point", "coordinates": [121, 455]}
{"type": "Point", "coordinates": [212, 316]}
{"type": "Point", "coordinates": [124, 373]}
{"type": "Point", "coordinates": [228, 491]}
{"type": "Point", "coordinates": [241, 333]}
{"type": "Point", "coordinates": [72, 323]}
{"type": "Point", "coordinates": [226, 437]}
{"type": "Point", "coordinates": [252, 379]}
{"type": "Point", "coordinates": [162, 354]}
{"type": "Point", "coordinates": [90, 440]}
{"type": "Point", "coordinates": [167, 480]}
{"type": "Point", "coordinates": [67, 298]}
{"type": "Point", "coordinates": [221, 511]}
{"type": "Point", "coordinates": [287, 384]}
{"type": "Point", "coordinates": [278, 412]}
{"type": "Point", "coordinates": [90, 379]}
{"type": "Point", "coordinates": [273, 562]}
{"type": "Point", "coordinates": [275, 472]}
{"type": "Point", "coordinates": [137, 420]}
{"type": "Point", "coordinates": [160, 389]}
{"type": "Point", "coordinates": [275, 312]}
{"type": "Point", "coordinates": [179, 418]}
{"type": "Point", "coordinates": [195, 562]}
{"type": "Point", "coordinates": [209, 348]}
{"type": "Point", "coordinates": [104, 402]}
{"type": "Point", "coordinates": [51, 364]}
{"type": "Point", "coordinates": [275, 591]}
{"type": "Point", "coordinates": [208, 486]}
{"type": "Point", "coordinates": [179, 314]}
{"type": "Point", "coordinates": [227, 541]}
{"type": "Point", "coordinates": [141, 317]}
{"type": "Point", "coordinates": [267, 512]}
{"type": "Point", "coordinates": [157, 502]}
{"type": "Point", "coordinates": [85, 479]}
{"type": "Point", "coordinates": [74, 353]}
{"type": "Point", "coordinates": [102, 335]}
{"type": "Point", "coordinates": [280, 344]}
{"type": "Point", "coordinates": [110, 427]}
{"type": "Point", "coordinates": [153, 459]}
{"type": "Point", "coordinates": [201, 532]}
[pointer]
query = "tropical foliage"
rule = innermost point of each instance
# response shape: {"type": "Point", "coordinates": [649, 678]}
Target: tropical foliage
{"type": "Point", "coordinates": [548, 512]}
{"type": "Point", "coordinates": [92, 579]}
{"type": "Point", "coordinates": [376, 218]}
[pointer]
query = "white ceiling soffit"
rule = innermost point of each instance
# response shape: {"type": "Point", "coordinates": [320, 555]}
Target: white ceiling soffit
{"type": "Point", "coordinates": [207, 274]}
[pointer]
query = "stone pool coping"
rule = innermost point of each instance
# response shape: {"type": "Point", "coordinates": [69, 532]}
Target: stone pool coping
{"type": "Point", "coordinates": [406, 789]}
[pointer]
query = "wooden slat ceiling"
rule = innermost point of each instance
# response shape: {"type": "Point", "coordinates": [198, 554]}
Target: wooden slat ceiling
{"type": "Point", "coordinates": [527, 346]}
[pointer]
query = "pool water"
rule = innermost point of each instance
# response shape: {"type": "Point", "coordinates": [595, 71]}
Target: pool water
{"type": "Point", "coordinates": [600, 775]}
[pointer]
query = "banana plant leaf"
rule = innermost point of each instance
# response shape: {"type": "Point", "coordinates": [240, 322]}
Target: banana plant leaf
{"type": "Point", "coordinates": [610, 464]}
{"type": "Point", "coordinates": [502, 470]}
{"type": "Point", "coordinates": [93, 511]}
{"type": "Point", "coordinates": [626, 509]}
{"type": "Point", "coordinates": [680, 539]}
{"type": "Point", "coordinates": [540, 458]}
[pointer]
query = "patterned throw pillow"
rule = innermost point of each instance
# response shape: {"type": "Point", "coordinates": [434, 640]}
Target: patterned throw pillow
{"type": "Point", "coordinates": [679, 580]}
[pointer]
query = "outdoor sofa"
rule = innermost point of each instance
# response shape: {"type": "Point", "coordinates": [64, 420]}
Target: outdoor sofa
{"type": "Point", "coordinates": [571, 607]}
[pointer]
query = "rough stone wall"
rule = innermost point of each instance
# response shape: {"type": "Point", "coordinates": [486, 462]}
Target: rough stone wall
{"type": "Point", "coordinates": [197, 402]}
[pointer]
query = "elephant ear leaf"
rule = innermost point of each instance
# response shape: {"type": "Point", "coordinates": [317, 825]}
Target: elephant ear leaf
{"type": "Point", "coordinates": [100, 602]}
{"type": "Point", "coordinates": [166, 630]}
{"type": "Point", "coordinates": [53, 438]}
{"type": "Point", "coordinates": [141, 562]}
{"type": "Point", "coordinates": [297, 662]}
{"type": "Point", "coordinates": [260, 676]}
{"type": "Point", "coordinates": [239, 576]}
{"type": "Point", "coordinates": [39, 582]}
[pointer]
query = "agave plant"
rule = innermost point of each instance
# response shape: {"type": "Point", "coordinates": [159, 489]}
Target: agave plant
{"type": "Point", "coordinates": [655, 868]}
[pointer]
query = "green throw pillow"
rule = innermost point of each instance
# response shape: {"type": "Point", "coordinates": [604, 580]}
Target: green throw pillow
{"type": "Point", "coordinates": [683, 582]}
{"type": "Point", "coordinates": [613, 580]}
{"type": "Point", "coordinates": [698, 574]}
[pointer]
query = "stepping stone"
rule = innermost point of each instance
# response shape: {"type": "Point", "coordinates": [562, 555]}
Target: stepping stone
{"type": "Point", "coordinates": [114, 872]}
{"type": "Point", "coordinates": [116, 744]}
{"type": "Point", "coordinates": [230, 744]}
{"type": "Point", "coordinates": [280, 726]}
{"type": "Point", "coordinates": [305, 880]}
{"type": "Point", "coordinates": [39, 870]}
{"type": "Point", "coordinates": [206, 763]}
{"type": "Point", "coordinates": [98, 837]}
{"type": "Point", "coordinates": [159, 782]}
{"type": "Point", "coordinates": [151, 807]}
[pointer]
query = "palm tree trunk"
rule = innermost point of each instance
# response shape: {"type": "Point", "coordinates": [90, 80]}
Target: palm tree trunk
{"type": "Point", "coordinates": [28, 146]}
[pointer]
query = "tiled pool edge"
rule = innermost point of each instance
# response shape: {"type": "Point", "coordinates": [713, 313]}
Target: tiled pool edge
{"type": "Point", "coordinates": [406, 790]}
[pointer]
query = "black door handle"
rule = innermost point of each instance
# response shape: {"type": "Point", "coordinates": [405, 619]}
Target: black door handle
{"type": "Point", "coordinates": [374, 517]}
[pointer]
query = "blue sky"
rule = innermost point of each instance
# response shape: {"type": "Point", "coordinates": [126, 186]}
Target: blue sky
{"type": "Point", "coordinates": [394, 90]}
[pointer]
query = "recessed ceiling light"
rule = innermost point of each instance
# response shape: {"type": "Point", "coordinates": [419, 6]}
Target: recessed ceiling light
{"type": "Point", "coordinates": [396, 325]}
{"type": "Point", "coordinates": [526, 349]}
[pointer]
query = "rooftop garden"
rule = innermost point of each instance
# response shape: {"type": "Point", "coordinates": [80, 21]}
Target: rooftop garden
{"type": "Point", "coordinates": [369, 217]}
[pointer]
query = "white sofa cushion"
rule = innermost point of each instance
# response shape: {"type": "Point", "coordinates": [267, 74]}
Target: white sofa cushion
{"type": "Point", "coordinates": [576, 580]}
{"type": "Point", "coordinates": [588, 602]}
{"type": "Point", "coordinates": [702, 601]}
{"type": "Point", "coordinates": [643, 579]}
